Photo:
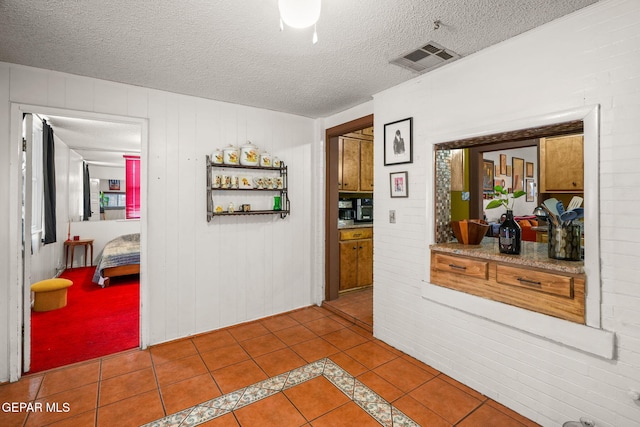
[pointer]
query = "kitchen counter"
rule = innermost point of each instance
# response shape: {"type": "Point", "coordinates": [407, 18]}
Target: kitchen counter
{"type": "Point", "coordinates": [355, 225]}
{"type": "Point", "coordinates": [532, 255]}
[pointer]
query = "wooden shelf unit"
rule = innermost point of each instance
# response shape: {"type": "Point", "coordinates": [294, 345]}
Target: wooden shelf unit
{"type": "Point", "coordinates": [284, 192]}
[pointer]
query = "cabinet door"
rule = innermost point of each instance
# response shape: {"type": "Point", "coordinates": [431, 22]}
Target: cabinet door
{"type": "Point", "coordinates": [366, 165]}
{"type": "Point", "coordinates": [562, 164]}
{"type": "Point", "coordinates": [350, 164]}
{"type": "Point", "coordinates": [348, 265]}
{"type": "Point", "coordinates": [340, 150]}
{"type": "Point", "coordinates": [365, 262]}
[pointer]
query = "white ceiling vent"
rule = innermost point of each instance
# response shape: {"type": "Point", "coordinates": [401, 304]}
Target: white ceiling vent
{"type": "Point", "coordinates": [426, 58]}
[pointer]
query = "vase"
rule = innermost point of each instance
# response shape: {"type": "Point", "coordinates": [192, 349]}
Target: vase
{"type": "Point", "coordinates": [565, 242]}
{"type": "Point", "coordinates": [509, 235]}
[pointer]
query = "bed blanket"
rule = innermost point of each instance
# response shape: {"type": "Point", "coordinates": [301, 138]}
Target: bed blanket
{"type": "Point", "coordinates": [123, 250]}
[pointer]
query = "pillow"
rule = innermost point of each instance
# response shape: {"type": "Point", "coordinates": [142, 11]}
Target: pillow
{"type": "Point", "coordinates": [524, 223]}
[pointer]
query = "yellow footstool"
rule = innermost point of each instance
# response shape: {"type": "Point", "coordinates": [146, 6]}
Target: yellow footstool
{"type": "Point", "coordinates": [50, 294]}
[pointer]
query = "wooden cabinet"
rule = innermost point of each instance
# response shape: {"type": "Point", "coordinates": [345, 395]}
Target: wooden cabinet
{"type": "Point", "coordinates": [366, 165]}
{"type": "Point", "coordinates": [562, 164]}
{"type": "Point", "coordinates": [349, 173]}
{"type": "Point", "coordinates": [555, 293]}
{"type": "Point", "coordinates": [355, 162]}
{"type": "Point", "coordinates": [356, 258]}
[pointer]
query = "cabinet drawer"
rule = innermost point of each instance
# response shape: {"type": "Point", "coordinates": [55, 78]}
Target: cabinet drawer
{"type": "Point", "coordinates": [463, 266]}
{"type": "Point", "coordinates": [356, 233]}
{"type": "Point", "coordinates": [536, 280]}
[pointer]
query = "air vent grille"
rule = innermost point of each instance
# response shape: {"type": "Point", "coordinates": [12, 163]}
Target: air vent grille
{"type": "Point", "coordinates": [426, 58]}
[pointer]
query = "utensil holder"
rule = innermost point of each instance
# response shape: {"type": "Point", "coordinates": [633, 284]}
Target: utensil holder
{"type": "Point", "coordinates": [565, 242]}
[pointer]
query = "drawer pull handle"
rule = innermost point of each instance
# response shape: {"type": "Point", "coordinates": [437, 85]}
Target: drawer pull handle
{"type": "Point", "coordinates": [357, 235]}
{"type": "Point", "coordinates": [459, 267]}
{"type": "Point", "coordinates": [528, 282]}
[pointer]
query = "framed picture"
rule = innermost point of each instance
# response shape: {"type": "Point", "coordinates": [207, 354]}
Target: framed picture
{"type": "Point", "coordinates": [508, 170]}
{"type": "Point", "coordinates": [399, 184]}
{"type": "Point", "coordinates": [398, 142]}
{"type": "Point", "coordinates": [517, 168]}
{"type": "Point", "coordinates": [503, 164]}
{"type": "Point", "coordinates": [529, 170]}
{"type": "Point", "coordinates": [531, 190]}
{"type": "Point", "coordinates": [487, 176]}
{"type": "Point", "coordinates": [114, 184]}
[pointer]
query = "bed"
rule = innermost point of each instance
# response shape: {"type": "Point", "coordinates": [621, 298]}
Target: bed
{"type": "Point", "coordinates": [120, 257]}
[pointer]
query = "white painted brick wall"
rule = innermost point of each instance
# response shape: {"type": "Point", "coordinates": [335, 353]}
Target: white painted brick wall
{"type": "Point", "coordinates": [591, 57]}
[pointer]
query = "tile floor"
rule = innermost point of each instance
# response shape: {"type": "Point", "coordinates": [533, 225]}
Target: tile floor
{"type": "Point", "coordinates": [356, 306]}
{"type": "Point", "coordinates": [308, 367]}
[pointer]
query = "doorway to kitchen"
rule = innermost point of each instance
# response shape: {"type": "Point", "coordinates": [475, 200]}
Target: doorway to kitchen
{"type": "Point", "coordinates": [349, 230]}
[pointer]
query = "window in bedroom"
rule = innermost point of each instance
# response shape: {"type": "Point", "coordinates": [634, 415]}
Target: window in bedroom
{"type": "Point", "coordinates": [132, 171]}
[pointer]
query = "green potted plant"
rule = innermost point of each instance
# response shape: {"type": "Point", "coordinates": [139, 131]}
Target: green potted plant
{"type": "Point", "coordinates": [501, 197]}
{"type": "Point", "coordinates": [510, 234]}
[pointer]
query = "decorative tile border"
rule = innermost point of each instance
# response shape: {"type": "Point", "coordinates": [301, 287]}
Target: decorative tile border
{"type": "Point", "coordinates": [385, 413]}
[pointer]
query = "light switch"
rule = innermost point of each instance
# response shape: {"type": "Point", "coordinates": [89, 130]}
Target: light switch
{"type": "Point", "coordinates": [392, 216]}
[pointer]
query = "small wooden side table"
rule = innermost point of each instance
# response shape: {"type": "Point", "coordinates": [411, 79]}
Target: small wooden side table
{"type": "Point", "coordinates": [71, 244]}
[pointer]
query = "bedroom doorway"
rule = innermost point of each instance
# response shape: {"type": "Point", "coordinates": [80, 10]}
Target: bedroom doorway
{"type": "Point", "coordinates": [44, 261]}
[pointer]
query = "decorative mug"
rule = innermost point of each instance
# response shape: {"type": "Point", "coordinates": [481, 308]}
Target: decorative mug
{"type": "Point", "coordinates": [226, 181]}
{"type": "Point", "coordinates": [216, 182]}
{"type": "Point", "coordinates": [278, 183]}
{"type": "Point", "coordinates": [266, 181]}
{"type": "Point", "coordinates": [235, 181]}
{"type": "Point", "coordinates": [258, 183]}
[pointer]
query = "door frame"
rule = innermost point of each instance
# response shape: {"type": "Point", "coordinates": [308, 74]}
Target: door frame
{"type": "Point", "coordinates": [18, 301]}
{"type": "Point", "coordinates": [332, 256]}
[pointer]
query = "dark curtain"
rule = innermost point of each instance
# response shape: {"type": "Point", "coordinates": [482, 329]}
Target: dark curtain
{"type": "Point", "coordinates": [86, 199]}
{"type": "Point", "coordinates": [49, 169]}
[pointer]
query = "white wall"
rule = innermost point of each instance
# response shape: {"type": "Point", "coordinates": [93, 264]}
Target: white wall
{"type": "Point", "coordinates": [590, 57]}
{"type": "Point", "coordinates": [198, 276]}
{"type": "Point", "coordinates": [520, 206]}
{"type": "Point", "coordinates": [45, 259]}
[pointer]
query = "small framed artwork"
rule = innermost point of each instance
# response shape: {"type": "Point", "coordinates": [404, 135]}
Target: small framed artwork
{"type": "Point", "coordinates": [399, 184]}
{"type": "Point", "coordinates": [529, 170]}
{"type": "Point", "coordinates": [508, 170]}
{"type": "Point", "coordinates": [531, 190]}
{"type": "Point", "coordinates": [398, 142]}
{"type": "Point", "coordinates": [497, 171]}
{"type": "Point", "coordinates": [517, 166]}
{"type": "Point", "coordinates": [114, 184]}
{"type": "Point", "coordinates": [487, 176]}
{"type": "Point", "coordinates": [503, 164]}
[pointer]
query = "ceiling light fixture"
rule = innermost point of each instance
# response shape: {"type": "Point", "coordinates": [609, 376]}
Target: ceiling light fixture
{"type": "Point", "coordinates": [300, 14]}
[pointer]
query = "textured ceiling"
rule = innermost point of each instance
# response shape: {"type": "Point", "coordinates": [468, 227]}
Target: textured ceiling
{"type": "Point", "coordinates": [100, 143]}
{"type": "Point", "coordinates": [234, 51]}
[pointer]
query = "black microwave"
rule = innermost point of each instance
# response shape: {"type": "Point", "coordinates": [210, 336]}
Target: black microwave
{"type": "Point", "coordinates": [364, 210]}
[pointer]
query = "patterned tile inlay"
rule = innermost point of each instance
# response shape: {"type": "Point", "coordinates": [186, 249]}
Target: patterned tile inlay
{"type": "Point", "coordinates": [363, 396]}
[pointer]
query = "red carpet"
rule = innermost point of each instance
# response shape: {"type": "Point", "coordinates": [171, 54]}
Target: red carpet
{"type": "Point", "coordinates": [96, 322]}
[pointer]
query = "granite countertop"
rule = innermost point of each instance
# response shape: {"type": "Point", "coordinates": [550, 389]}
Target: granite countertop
{"type": "Point", "coordinates": [356, 225]}
{"type": "Point", "coordinates": [532, 255]}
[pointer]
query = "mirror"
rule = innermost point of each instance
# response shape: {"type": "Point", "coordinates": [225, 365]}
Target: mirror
{"type": "Point", "coordinates": [101, 145]}
{"type": "Point", "coordinates": [466, 170]}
